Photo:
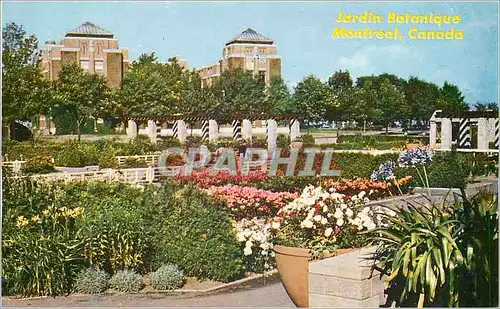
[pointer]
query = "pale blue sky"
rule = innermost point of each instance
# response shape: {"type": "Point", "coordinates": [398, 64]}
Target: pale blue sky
{"type": "Point", "coordinates": [302, 32]}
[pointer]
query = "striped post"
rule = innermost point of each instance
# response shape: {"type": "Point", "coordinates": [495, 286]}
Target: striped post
{"type": "Point", "coordinates": [175, 129]}
{"type": "Point", "coordinates": [464, 135]}
{"type": "Point", "coordinates": [497, 133]}
{"type": "Point", "coordinates": [204, 130]}
{"type": "Point", "coordinates": [236, 129]}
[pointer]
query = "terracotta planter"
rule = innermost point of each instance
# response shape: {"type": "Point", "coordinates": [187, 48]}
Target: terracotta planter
{"type": "Point", "coordinates": [297, 145]}
{"type": "Point", "coordinates": [293, 267]}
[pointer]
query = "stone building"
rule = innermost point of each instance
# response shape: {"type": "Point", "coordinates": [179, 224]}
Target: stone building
{"type": "Point", "coordinates": [250, 51]}
{"type": "Point", "coordinates": [93, 48]}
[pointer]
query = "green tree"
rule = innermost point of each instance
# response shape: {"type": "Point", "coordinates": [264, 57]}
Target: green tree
{"type": "Point", "coordinates": [240, 93]}
{"type": "Point", "coordinates": [422, 98]}
{"type": "Point", "coordinates": [341, 84]}
{"type": "Point", "coordinates": [391, 104]}
{"type": "Point", "coordinates": [25, 93]}
{"type": "Point", "coordinates": [153, 88]}
{"type": "Point", "coordinates": [279, 97]}
{"type": "Point", "coordinates": [450, 100]}
{"type": "Point", "coordinates": [314, 99]}
{"type": "Point", "coordinates": [484, 106]}
{"type": "Point", "coordinates": [83, 95]}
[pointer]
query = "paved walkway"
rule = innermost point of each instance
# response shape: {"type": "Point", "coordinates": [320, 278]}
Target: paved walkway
{"type": "Point", "coordinates": [261, 293]}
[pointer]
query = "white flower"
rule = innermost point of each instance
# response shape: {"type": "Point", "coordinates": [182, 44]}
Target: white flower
{"type": "Point", "coordinates": [325, 208]}
{"type": "Point", "coordinates": [275, 225]}
{"type": "Point", "coordinates": [324, 221]}
{"type": "Point", "coordinates": [343, 206]}
{"type": "Point", "coordinates": [328, 232]}
{"type": "Point", "coordinates": [247, 251]}
{"type": "Point", "coordinates": [349, 212]}
{"type": "Point", "coordinates": [248, 244]}
{"type": "Point", "coordinates": [338, 213]}
{"type": "Point", "coordinates": [247, 232]}
{"type": "Point", "coordinates": [361, 194]}
{"type": "Point", "coordinates": [309, 201]}
{"type": "Point", "coordinates": [307, 224]}
{"type": "Point", "coordinates": [318, 218]}
{"type": "Point", "coordinates": [340, 222]}
{"type": "Point", "coordinates": [240, 237]}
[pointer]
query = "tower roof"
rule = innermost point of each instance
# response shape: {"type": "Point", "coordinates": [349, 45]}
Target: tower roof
{"type": "Point", "coordinates": [89, 29]}
{"type": "Point", "coordinates": [252, 37]}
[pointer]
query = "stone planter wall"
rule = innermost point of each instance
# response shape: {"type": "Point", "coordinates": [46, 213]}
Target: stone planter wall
{"type": "Point", "coordinates": [346, 281]}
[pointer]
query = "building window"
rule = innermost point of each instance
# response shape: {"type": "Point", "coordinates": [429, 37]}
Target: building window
{"type": "Point", "coordinates": [84, 64]}
{"type": "Point", "coordinates": [99, 49]}
{"type": "Point", "coordinates": [99, 67]}
{"type": "Point", "coordinates": [84, 49]}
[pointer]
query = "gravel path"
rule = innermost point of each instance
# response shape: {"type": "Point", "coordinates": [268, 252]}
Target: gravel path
{"type": "Point", "coordinates": [267, 292]}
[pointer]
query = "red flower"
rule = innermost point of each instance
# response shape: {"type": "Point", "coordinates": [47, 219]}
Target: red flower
{"type": "Point", "coordinates": [336, 230]}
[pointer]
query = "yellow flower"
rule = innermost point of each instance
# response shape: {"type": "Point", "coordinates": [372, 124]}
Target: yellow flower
{"type": "Point", "coordinates": [35, 218]}
{"type": "Point", "coordinates": [21, 221]}
{"type": "Point", "coordinates": [45, 212]}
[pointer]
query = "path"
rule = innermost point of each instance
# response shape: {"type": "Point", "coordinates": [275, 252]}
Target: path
{"type": "Point", "coordinates": [256, 294]}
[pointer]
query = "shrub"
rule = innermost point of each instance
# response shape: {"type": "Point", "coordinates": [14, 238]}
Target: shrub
{"type": "Point", "coordinates": [38, 165]}
{"type": "Point", "coordinates": [114, 230]}
{"type": "Point", "coordinates": [132, 162]}
{"type": "Point", "coordinates": [77, 155]}
{"type": "Point", "coordinates": [283, 141]}
{"type": "Point", "coordinates": [91, 281]}
{"type": "Point", "coordinates": [165, 142]}
{"type": "Point", "coordinates": [308, 140]}
{"type": "Point", "coordinates": [167, 277]}
{"type": "Point", "coordinates": [126, 281]}
{"type": "Point", "coordinates": [108, 159]}
{"type": "Point", "coordinates": [259, 142]}
{"type": "Point", "coordinates": [193, 141]}
{"type": "Point", "coordinates": [197, 233]}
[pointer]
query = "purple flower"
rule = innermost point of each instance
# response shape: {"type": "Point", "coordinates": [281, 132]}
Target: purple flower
{"type": "Point", "coordinates": [384, 172]}
{"type": "Point", "coordinates": [417, 156]}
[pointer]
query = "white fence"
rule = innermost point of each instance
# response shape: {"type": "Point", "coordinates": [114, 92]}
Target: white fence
{"type": "Point", "coordinates": [14, 166]}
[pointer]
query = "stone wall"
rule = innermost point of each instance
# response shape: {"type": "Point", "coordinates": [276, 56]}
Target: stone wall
{"type": "Point", "coordinates": [346, 281]}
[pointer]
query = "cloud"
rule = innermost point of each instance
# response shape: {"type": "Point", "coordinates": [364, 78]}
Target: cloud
{"type": "Point", "coordinates": [373, 58]}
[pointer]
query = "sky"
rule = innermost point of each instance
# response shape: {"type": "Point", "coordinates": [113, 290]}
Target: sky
{"type": "Point", "coordinates": [302, 32]}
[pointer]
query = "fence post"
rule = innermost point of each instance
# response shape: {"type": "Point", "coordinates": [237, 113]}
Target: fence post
{"type": "Point", "coordinates": [272, 135]}
{"type": "Point", "coordinates": [213, 130]}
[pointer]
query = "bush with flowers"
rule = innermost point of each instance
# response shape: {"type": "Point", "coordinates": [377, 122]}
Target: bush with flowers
{"type": "Point", "coordinates": [249, 202]}
{"type": "Point", "coordinates": [204, 180]}
{"type": "Point", "coordinates": [323, 220]}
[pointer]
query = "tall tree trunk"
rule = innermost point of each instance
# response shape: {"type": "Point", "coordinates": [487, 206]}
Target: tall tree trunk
{"type": "Point", "coordinates": [338, 129]}
{"type": "Point", "coordinates": [387, 129]}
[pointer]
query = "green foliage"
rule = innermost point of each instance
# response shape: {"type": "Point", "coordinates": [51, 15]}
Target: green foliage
{"type": "Point", "coordinates": [239, 93]}
{"type": "Point", "coordinates": [167, 277]}
{"type": "Point", "coordinates": [197, 234]}
{"type": "Point", "coordinates": [279, 98]}
{"type": "Point", "coordinates": [259, 142]}
{"type": "Point", "coordinates": [193, 141]}
{"type": "Point", "coordinates": [114, 230]}
{"type": "Point", "coordinates": [78, 155]}
{"type": "Point", "coordinates": [38, 165]}
{"type": "Point", "coordinates": [154, 88]}
{"type": "Point", "coordinates": [25, 93]}
{"type": "Point", "coordinates": [309, 140]}
{"type": "Point", "coordinates": [166, 142]}
{"type": "Point", "coordinates": [126, 281]}
{"type": "Point", "coordinates": [282, 141]}
{"type": "Point", "coordinates": [441, 254]}
{"type": "Point", "coordinates": [83, 95]}
{"type": "Point", "coordinates": [448, 171]}
{"type": "Point", "coordinates": [41, 254]}
{"type": "Point", "coordinates": [91, 281]}
{"type": "Point", "coordinates": [132, 162]}
{"type": "Point", "coordinates": [313, 99]}
{"type": "Point", "coordinates": [359, 165]}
